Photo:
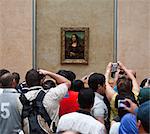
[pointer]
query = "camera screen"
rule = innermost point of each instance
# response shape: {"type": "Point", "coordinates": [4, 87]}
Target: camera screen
{"type": "Point", "coordinates": [123, 103]}
{"type": "Point", "coordinates": [114, 67]}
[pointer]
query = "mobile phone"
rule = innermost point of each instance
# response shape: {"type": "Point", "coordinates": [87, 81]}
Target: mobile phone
{"type": "Point", "coordinates": [123, 103]}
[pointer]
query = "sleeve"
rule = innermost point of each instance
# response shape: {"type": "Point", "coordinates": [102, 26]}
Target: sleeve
{"type": "Point", "coordinates": [58, 92]}
{"type": "Point", "coordinates": [114, 111]}
{"type": "Point", "coordinates": [98, 110]}
{"type": "Point", "coordinates": [136, 93]}
{"type": "Point", "coordinates": [101, 129]}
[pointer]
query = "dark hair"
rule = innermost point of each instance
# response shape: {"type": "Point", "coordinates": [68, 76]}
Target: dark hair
{"type": "Point", "coordinates": [86, 98]}
{"type": "Point", "coordinates": [3, 71]}
{"type": "Point", "coordinates": [67, 74]}
{"type": "Point", "coordinates": [77, 85]}
{"type": "Point", "coordinates": [75, 36]}
{"type": "Point", "coordinates": [33, 78]}
{"type": "Point", "coordinates": [6, 80]}
{"type": "Point", "coordinates": [124, 86]}
{"type": "Point", "coordinates": [95, 80]}
{"type": "Point", "coordinates": [77, 39]}
{"type": "Point", "coordinates": [71, 75]}
{"type": "Point", "coordinates": [143, 83]}
{"type": "Point", "coordinates": [16, 76]}
{"type": "Point", "coordinates": [48, 84]}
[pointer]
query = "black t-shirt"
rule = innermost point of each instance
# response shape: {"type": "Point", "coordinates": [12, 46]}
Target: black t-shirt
{"type": "Point", "coordinates": [121, 110]}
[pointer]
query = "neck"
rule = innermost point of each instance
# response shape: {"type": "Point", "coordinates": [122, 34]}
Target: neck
{"type": "Point", "coordinates": [99, 92]}
{"type": "Point", "coordinates": [142, 131]}
{"type": "Point", "coordinates": [86, 109]}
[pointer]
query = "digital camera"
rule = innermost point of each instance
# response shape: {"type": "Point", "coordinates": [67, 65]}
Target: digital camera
{"type": "Point", "coordinates": [114, 67]}
{"type": "Point", "coordinates": [123, 103]}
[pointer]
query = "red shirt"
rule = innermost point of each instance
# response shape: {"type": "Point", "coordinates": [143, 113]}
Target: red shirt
{"type": "Point", "coordinates": [69, 103]}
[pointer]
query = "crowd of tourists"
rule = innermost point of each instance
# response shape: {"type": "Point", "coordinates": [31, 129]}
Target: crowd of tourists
{"type": "Point", "coordinates": [47, 102]}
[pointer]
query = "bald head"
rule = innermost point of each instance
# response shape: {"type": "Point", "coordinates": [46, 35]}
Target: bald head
{"type": "Point", "coordinates": [6, 80]}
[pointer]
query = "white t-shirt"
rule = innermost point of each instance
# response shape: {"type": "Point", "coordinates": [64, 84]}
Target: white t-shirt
{"type": "Point", "coordinates": [82, 123]}
{"type": "Point", "coordinates": [99, 109]}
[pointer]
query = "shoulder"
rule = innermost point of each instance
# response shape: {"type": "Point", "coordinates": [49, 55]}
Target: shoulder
{"type": "Point", "coordinates": [99, 101]}
{"type": "Point", "coordinates": [60, 89]}
{"type": "Point", "coordinates": [69, 118]}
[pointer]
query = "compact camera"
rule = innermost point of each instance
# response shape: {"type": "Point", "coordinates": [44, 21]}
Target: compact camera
{"type": "Point", "coordinates": [123, 103]}
{"type": "Point", "coordinates": [114, 67]}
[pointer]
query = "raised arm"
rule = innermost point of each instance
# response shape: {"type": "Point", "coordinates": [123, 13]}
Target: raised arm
{"type": "Point", "coordinates": [85, 79]}
{"type": "Point", "coordinates": [131, 76]}
{"type": "Point", "coordinates": [132, 108]}
{"type": "Point", "coordinates": [59, 79]}
{"type": "Point", "coordinates": [109, 90]}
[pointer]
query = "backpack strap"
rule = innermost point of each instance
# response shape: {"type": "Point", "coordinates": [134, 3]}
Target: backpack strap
{"type": "Point", "coordinates": [41, 109]}
{"type": "Point", "coordinates": [27, 108]}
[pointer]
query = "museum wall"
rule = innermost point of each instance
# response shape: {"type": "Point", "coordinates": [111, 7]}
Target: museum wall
{"type": "Point", "coordinates": [95, 14]}
{"type": "Point", "coordinates": [16, 35]}
{"type": "Point", "coordinates": [134, 35]}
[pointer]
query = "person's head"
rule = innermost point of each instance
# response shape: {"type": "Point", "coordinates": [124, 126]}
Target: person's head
{"type": "Point", "coordinates": [122, 73]}
{"type": "Point", "coordinates": [144, 95]}
{"type": "Point", "coordinates": [143, 118]}
{"type": "Point", "coordinates": [143, 83]}
{"type": "Point", "coordinates": [33, 78]}
{"type": "Point", "coordinates": [16, 78]}
{"type": "Point", "coordinates": [6, 80]}
{"type": "Point", "coordinates": [147, 84]}
{"type": "Point", "coordinates": [67, 74]}
{"type": "Point", "coordinates": [112, 83]}
{"type": "Point", "coordinates": [48, 84]}
{"type": "Point", "coordinates": [86, 98]}
{"type": "Point", "coordinates": [96, 81]}
{"type": "Point", "coordinates": [71, 75]}
{"type": "Point", "coordinates": [74, 37]}
{"type": "Point", "coordinates": [3, 71]}
{"type": "Point", "coordinates": [77, 85]}
{"type": "Point", "coordinates": [124, 85]}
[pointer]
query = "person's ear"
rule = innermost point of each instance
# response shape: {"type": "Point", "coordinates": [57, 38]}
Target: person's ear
{"type": "Point", "coordinates": [138, 124]}
{"type": "Point", "coordinates": [99, 86]}
{"type": "Point", "coordinates": [13, 83]}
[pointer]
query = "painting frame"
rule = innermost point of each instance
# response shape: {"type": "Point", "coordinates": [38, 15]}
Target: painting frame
{"type": "Point", "coordinates": [80, 56]}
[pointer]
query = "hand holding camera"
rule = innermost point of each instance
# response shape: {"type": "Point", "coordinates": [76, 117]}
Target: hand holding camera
{"type": "Point", "coordinates": [123, 103]}
{"type": "Point", "coordinates": [114, 67]}
{"type": "Point", "coordinates": [131, 106]}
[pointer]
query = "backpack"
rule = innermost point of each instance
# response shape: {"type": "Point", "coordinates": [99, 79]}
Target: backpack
{"type": "Point", "coordinates": [31, 110]}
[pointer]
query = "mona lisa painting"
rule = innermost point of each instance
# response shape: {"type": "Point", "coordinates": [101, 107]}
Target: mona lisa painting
{"type": "Point", "coordinates": [74, 45]}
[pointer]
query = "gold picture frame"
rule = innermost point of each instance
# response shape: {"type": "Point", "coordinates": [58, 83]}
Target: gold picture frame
{"type": "Point", "coordinates": [74, 45]}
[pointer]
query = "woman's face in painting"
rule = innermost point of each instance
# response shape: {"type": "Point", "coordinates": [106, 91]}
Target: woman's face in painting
{"type": "Point", "coordinates": [74, 38]}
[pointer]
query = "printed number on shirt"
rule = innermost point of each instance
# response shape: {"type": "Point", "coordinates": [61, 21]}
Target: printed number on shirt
{"type": "Point", "coordinates": [4, 108]}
